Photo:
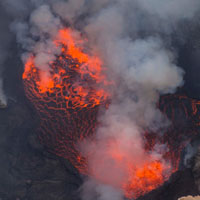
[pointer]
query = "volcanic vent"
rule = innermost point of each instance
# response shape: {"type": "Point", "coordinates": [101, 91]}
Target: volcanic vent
{"type": "Point", "coordinates": [95, 75]}
{"type": "Point", "coordinates": [68, 98]}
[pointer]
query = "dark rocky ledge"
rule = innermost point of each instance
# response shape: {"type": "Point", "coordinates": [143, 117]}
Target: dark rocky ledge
{"type": "Point", "coordinates": [27, 171]}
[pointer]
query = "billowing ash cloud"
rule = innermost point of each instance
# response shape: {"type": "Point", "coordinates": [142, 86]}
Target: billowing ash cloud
{"type": "Point", "coordinates": [133, 38]}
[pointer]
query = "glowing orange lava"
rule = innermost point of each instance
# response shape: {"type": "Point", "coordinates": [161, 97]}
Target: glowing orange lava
{"type": "Point", "coordinates": [67, 96]}
{"type": "Point", "coordinates": [146, 178]}
{"type": "Point", "coordinates": [67, 99]}
{"type": "Point", "coordinates": [134, 173]}
{"type": "Point", "coordinates": [88, 71]}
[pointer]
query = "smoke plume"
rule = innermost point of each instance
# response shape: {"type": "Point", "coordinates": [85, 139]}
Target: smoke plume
{"type": "Point", "coordinates": [133, 38]}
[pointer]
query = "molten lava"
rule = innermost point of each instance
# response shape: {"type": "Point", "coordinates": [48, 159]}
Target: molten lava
{"type": "Point", "coordinates": [145, 179]}
{"type": "Point", "coordinates": [73, 63]}
{"type": "Point", "coordinates": [67, 98]}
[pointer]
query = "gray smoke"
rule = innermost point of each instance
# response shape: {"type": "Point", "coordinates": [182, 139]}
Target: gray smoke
{"type": "Point", "coordinates": [133, 38]}
{"type": "Point", "coordinates": [94, 190]}
{"type": "Point", "coordinates": [129, 36]}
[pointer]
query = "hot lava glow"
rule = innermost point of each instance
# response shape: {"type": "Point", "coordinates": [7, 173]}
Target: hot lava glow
{"type": "Point", "coordinates": [67, 98]}
{"type": "Point", "coordinates": [72, 63]}
{"type": "Point", "coordinates": [146, 178]}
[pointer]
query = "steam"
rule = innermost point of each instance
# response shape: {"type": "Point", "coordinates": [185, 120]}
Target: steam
{"type": "Point", "coordinates": [143, 67]}
{"type": "Point", "coordinates": [94, 190]}
{"type": "Point", "coordinates": [133, 38]}
{"type": "Point", "coordinates": [44, 26]}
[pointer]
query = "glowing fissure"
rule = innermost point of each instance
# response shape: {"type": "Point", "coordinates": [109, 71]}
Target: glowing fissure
{"type": "Point", "coordinates": [68, 98]}
{"type": "Point", "coordinates": [73, 63]}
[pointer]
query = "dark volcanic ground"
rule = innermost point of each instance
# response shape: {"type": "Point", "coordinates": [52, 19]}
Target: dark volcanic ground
{"type": "Point", "coordinates": [28, 171]}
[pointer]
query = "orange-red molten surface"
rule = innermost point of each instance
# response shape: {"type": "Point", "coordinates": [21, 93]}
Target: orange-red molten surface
{"type": "Point", "coordinates": [145, 179]}
{"type": "Point", "coordinates": [67, 99]}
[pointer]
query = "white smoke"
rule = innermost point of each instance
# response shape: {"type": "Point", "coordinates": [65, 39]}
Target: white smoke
{"type": "Point", "coordinates": [133, 39]}
{"type": "Point", "coordinates": [142, 68]}
{"type": "Point", "coordinates": [91, 190]}
{"type": "Point", "coordinates": [68, 10]}
{"type": "Point", "coordinates": [44, 26]}
{"type": "Point", "coordinates": [171, 9]}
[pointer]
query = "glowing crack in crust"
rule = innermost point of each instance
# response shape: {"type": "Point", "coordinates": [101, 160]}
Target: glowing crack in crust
{"type": "Point", "coordinates": [67, 100]}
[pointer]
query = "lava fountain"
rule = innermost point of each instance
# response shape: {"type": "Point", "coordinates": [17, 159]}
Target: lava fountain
{"type": "Point", "coordinates": [67, 99]}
